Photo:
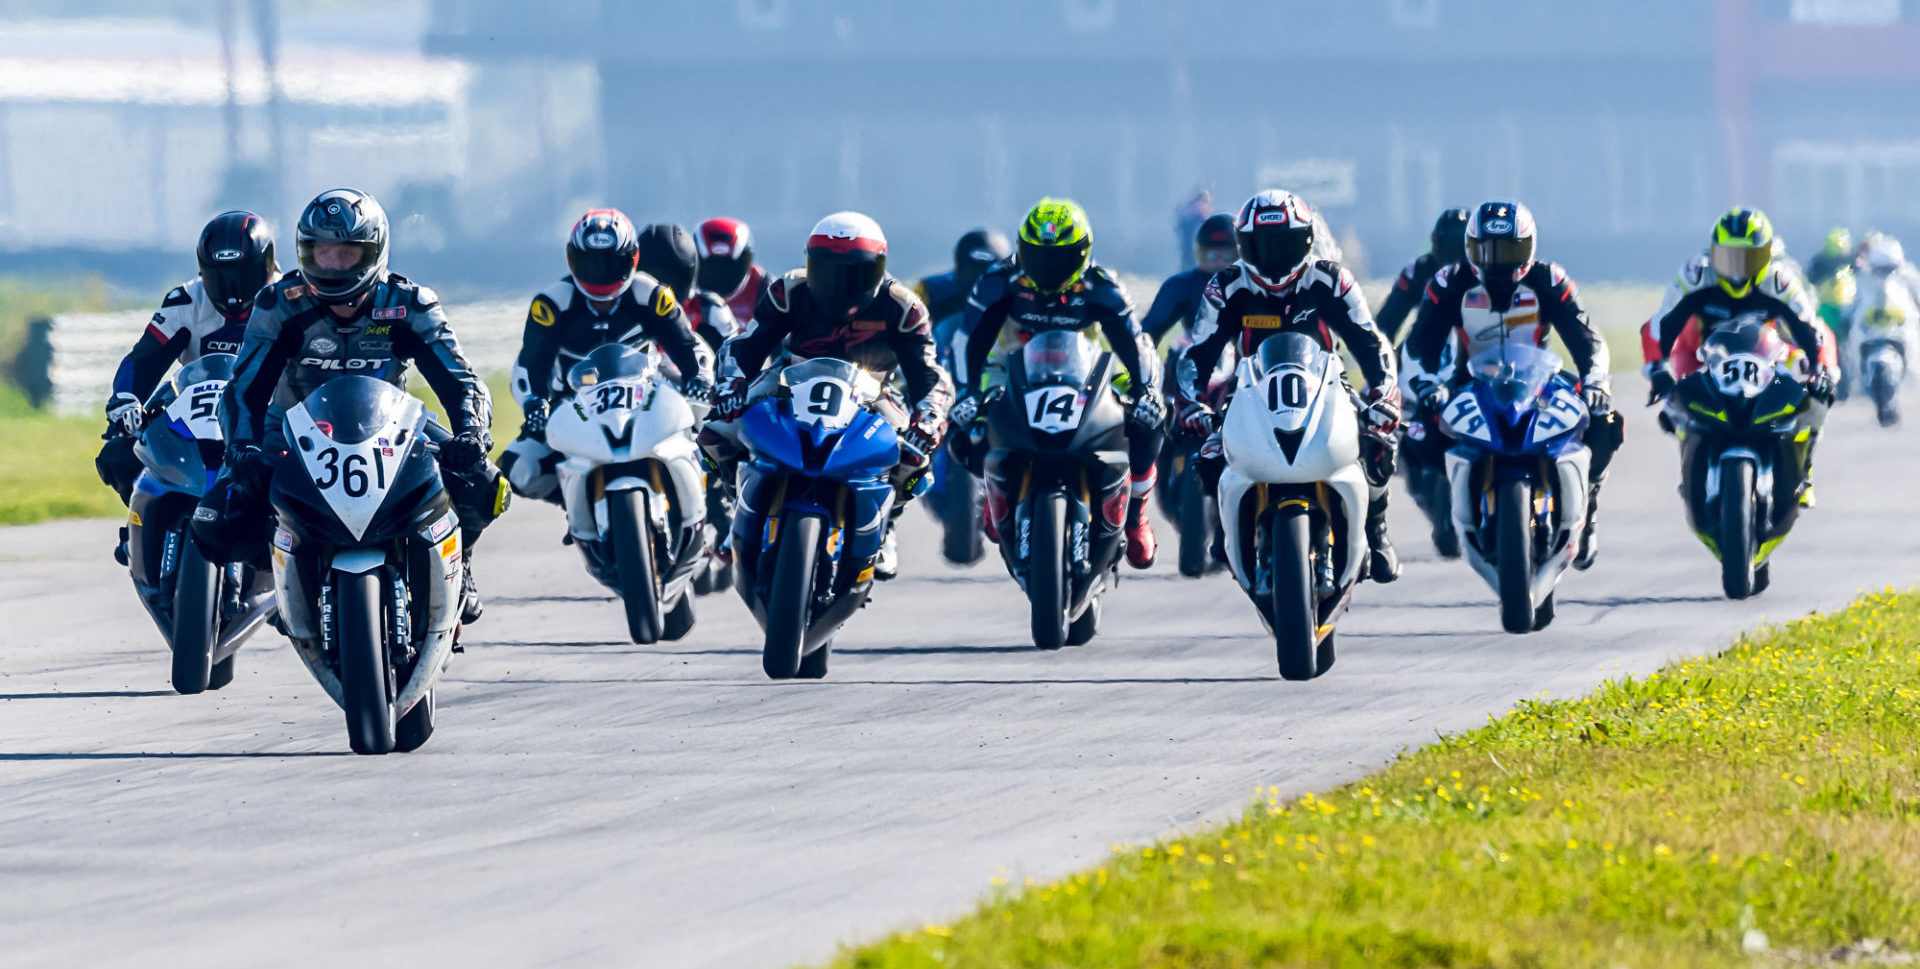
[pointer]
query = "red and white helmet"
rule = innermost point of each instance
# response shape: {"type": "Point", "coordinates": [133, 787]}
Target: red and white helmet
{"type": "Point", "coordinates": [846, 263]}
{"type": "Point", "coordinates": [1275, 234]}
{"type": "Point", "coordinates": [726, 255]}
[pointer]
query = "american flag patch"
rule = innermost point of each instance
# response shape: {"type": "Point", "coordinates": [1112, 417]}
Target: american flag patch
{"type": "Point", "coordinates": [390, 313]}
{"type": "Point", "coordinates": [1477, 300]}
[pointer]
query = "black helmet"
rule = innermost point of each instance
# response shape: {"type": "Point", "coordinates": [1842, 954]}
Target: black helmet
{"type": "Point", "coordinates": [667, 253]}
{"type": "Point", "coordinates": [1500, 241]}
{"type": "Point", "coordinates": [846, 263]}
{"type": "Point", "coordinates": [344, 217]}
{"type": "Point", "coordinates": [975, 253]}
{"type": "Point", "coordinates": [236, 260]}
{"type": "Point", "coordinates": [1275, 234]}
{"type": "Point", "coordinates": [1449, 241]}
{"type": "Point", "coordinates": [1215, 235]}
{"type": "Point", "coordinates": [601, 252]}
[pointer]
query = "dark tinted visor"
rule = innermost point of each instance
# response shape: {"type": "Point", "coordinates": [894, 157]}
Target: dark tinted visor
{"type": "Point", "coordinates": [600, 268]}
{"type": "Point", "coordinates": [1500, 252]}
{"type": "Point", "coordinates": [234, 282]}
{"type": "Point", "coordinates": [1275, 253]}
{"type": "Point", "coordinates": [1052, 268]}
{"type": "Point", "coordinates": [843, 282]}
{"type": "Point", "coordinates": [723, 274]}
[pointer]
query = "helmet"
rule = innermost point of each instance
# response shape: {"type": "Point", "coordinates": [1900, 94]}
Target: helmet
{"type": "Point", "coordinates": [236, 260]}
{"type": "Point", "coordinates": [1882, 253]}
{"type": "Point", "coordinates": [1213, 243]}
{"type": "Point", "coordinates": [975, 253]}
{"type": "Point", "coordinates": [1499, 241]}
{"type": "Point", "coordinates": [1839, 242]}
{"type": "Point", "coordinates": [1742, 249]}
{"type": "Point", "coordinates": [667, 253]}
{"type": "Point", "coordinates": [1275, 234]}
{"type": "Point", "coordinates": [726, 255]}
{"type": "Point", "coordinates": [846, 263]}
{"type": "Point", "coordinates": [1449, 240]}
{"type": "Point", "coordinates": [342, 217]}
{"type": "Point", "coordinates": [601, 253]}
{"type": "Point", "coordinates": [1056, 244]}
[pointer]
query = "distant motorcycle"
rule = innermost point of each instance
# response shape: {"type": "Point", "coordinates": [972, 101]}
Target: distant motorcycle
{"type": "Point", "coordinates": [958, 498]}
{"type": "Point", "coordinates": [1056, 470]}
{"type": "Point", "coordinates": [1293, 499]}
{"type": "Point", "coordinates": [1745, 422]}
{"type": "Point", "coordinates": [632, 486]}
{"type": "Point", "coordinates": [814, 499]}
{"type": "Point", "coordinates": [1881, 337]}
{"type": "Point", "coordinates": [204, 610]}
{"type": "Point", "coordinates": [1183, 496]}
{"type": "Point", "coordinates": [1518, 476]}
{"type": "Point", "coordinates": [367, 558]}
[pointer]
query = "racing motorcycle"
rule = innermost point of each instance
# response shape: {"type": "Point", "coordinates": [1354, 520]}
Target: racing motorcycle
{"type": "Point", "coordinates": [1745, 423]}
{"type": "Point", "coordinates": [814, 498]}
{"type": "Point", "coordinates": [1293, 499]}
{"type": "Point", "coordinates": [958, 497]}
{"type": "Point", "coordinates": [631, 483]}
{"type": "Point", "coordinates": [1057, 448]}
{"type": "Point", "coordinates": [204, 610]}
{"type": "Point", "coordinates": [1182, 495]}
{"type": "Point", "coordinates": [367, 557]}
{"type": "Point", "coordinates": [1518, 476]}
{"type": "Point", "coordinates": [1880, 337]}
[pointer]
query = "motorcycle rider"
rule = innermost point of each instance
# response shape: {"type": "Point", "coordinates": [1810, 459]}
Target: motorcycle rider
{"type": "Point", "coordinates": [1446, 246]}
{"type": "Point", "coordinates": [1500, 292]}
{"type": "Point", "coordinates": [345, 311]}
{"type": "Point", "coordinates": [1052, 283]}
{"type": "Point", "coordinates": [1178, 298]}
{"type": "Point", "coordinates": [205, 314]}
{"type": "Point", "coordinates": [845, 306]}
{"type": "Point", "coordinates": [1739, 276]}
{"type": "Point", "coordinates": [1277, 285]}
{"type": "Point", "coordinates": [727, 269]}
{"type": "Point", "coordinates": [669, 254]}
{"type": "Point", "coordinates": [602, 299]}
{"type": "Point", "coordinates": [946, 293]}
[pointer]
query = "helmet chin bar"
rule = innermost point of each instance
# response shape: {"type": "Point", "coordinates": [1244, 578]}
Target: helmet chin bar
{"type": "Point", "coordinates": [1271, 285]}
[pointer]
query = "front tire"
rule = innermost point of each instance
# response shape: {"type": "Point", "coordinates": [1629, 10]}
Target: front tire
{"type": "Point", "coordinates": [1047, 570]}
{"type": "Point", "coordinates": [790, 600]}
{"type": "Point", "coordinates": [196, 621]}
{"type": "Point", "coordinates": [1196, 529]}
{"type": "Point", "coordinates": [631, 531]}
{"type": "Point", "coordinates": [1295, 612]}
{"type": "Point", "coordinates": [963, 541]}
{"type": "Point", "coordinates": [1736, 528]}
{"type": "Point", "coordinates": [1513, 518]}
{"type": "Point", "coordinates": [365, 679]}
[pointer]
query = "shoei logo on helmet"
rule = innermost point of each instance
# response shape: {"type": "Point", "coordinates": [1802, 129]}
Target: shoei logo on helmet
{"type": "Point", "coordinates": [1496, 225]}
{"type": "Point", "coordinates": [226, 255]}
{"type": "Point", "coordinates": [1272, 217]}
{"type": "Point", "coordinates": [600, 240]}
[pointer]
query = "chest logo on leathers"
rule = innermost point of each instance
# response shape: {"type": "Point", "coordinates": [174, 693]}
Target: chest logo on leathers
{"type": "Point", "coordinates": [1484, 325]}
{"type": "Point", "coordinates": [322, 344]}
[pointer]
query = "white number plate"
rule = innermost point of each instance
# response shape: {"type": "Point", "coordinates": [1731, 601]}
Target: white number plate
{"type": "Point", "coordinates": [825, 401]}
{"type": "Point", "coordinates": [1742, 375]}
{"type": "Point", "coordinates": [1055, 409]}
{"type": "Point", "coordinates": [199, 409]}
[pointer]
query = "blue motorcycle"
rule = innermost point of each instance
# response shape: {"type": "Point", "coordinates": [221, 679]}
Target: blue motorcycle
{"type": "Point", "coordinates": [1518, 475]}
{"type": "Point", "coordinates": [814, 499]}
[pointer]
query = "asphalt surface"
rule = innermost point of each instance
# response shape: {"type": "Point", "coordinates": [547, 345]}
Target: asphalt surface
{"type": "Point", "coordinates": [588, 802]}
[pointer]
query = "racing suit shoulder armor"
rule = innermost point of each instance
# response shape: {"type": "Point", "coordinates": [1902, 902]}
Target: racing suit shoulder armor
{"type": "Point", "coordinates": [1693, 274]}
{"type": "Point", "coordinates": [780, 289]}
{"type": "Point", "coordinates": [1216, 290]}
{"type": "Point", "coordinates": [1330, 274]}
{"type": "Point", "coordinates": [559, 295]}
{"type": "Point", "coordinates": [1104, 289]}
{"type": "Point", "coordinates": [177, 296]}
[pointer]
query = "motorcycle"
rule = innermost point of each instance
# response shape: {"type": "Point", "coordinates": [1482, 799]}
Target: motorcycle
{"type": "Point", "coordinates": [205, 610]}
{"type": "Point", "coordinates": [957, 498]}
{"type": "Point", "coordinates": [814, 498]}
{"type": "Point", "coordinates": [367, 558]}
{"type": "Point", "coordinates": [1182, 495]}
{"type": "Point", "coordinates": [631, 483]}
{"type": "Point", "coordinates": [1293, 499]}
{"type": "Point", "coordinates": [1880, 337]}
{"type": "Point", "coordinates": [1745, 423]}
{"type": "Point", "coordinates": [1518, 476]}
{"type": "Point", "coordinates": [1057, 447]}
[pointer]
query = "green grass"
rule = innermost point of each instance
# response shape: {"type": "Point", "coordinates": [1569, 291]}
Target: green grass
{"type": "Point", "coordinates": [48, 469]}
{"type": "Point", "coordinates": [1770, 790]}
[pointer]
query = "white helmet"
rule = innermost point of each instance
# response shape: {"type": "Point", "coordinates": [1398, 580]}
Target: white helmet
{"type": "Point", "coordinates": [846, 263]}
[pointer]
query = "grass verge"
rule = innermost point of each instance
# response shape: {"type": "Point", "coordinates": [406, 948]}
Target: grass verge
{"type": "Point", "coordinates": [48, 470]}
{"type": "Point", "coordinates": [1767, 796]}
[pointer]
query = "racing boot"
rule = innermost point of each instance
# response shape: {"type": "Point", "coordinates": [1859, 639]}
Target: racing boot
{"type": "Point", "coordinates": [1435, 497]}
{"type": "Point", "coordinates": [1140, 544]}
{"type": "Point", "coordinates": [1589, 538]}
{"type": "Point", "coordinates": [1383, 565]}
{"type": "Point", "coordinates": [1807, 499]}
{"type": "Point", "coordinates": [120, 553]}
{"type": "Point", "coordinates": [886, 565]}
{"type": "Point", "coordinates": [470, 605]}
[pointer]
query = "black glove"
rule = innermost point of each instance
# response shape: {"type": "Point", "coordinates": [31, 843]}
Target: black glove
{"type": "Point", "coordinates": [1149, 410]}
{"type": "Point", "coordinates": [1196, 418]}
{"type": "Point", "coordinates": [533, 422]}
{"type": "Point", "coordinates": [730, 401]}
{"type": "Point", "coordinates": [698, 389]}
{"type": "Point", "coordinates": [1820, 385]}
{"type": "Point", "coordinates": [1660, 384]}
{"type": "Point", "coordinates": [1599, 401]}
{"type": "Point", "coordinates": [248, 468]}
{"type": "Point", "coordinates": [125, 413]}
{"type": "Point", "coordinates": [466, 452]}
{"type": "Point", "coordinates": [1432, 395]}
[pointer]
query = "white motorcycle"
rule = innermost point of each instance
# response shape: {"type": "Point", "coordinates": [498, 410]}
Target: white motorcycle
{"type": "Point", "coordinates": [1881, 336]}
{"type": "Point", "coordinates": [633, 487]}
{"type": "Point", "coordinates": [1293, 499]}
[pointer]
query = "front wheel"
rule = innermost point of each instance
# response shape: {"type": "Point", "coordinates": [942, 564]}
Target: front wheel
{"type": "Point", "coordinates": [365, 679]}
{"type": "Point", "coordinates": [1196, 529]}
{"type": "Point", "coordinates": [196, 622]}
{"type": "Point", "coordinates": [1513, 520]}
{"type": "Point", "coordinates": [963, 541]}
{"type": "Point", "coordinates": [790, 600]}
{"type": "Point", "coordinates": [1736, 528]}
{"type": "Point", "coordinates": [632, 534]}
{"type": "Point", "coordinates": [1047, 586]}
{"type": "Point", "coordinates": [1295, 612]}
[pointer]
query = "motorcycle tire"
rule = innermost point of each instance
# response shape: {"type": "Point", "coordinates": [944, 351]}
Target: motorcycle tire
{"type": "Point", "coordinates": [1543, 615]}
{"type": "Point", "coordinates": [196, 618]}
{"type": "Point", "coordinates": [631, 531]}
{"type": "Point", "coordinates": [1196, 529]}
{"type": "Point", "coordinates": [366, 689]}
{"type": "Point", "coordinates": [1295, 610]}
{"type": "Point", "coordinates": [790, 599]}
{"type": "Point", "coordinates": [1736, 528]}
{"type": "Point", "coordinates": [1513, 520]}
{"type": "Point", "coordinates": [963, 540]}
{"type": "Point", "coordinates": [1884, 387]}
{"type": "Point", "coordinates": [414, 728]}
{"type": "Point", "coordinates": [1047, 570]}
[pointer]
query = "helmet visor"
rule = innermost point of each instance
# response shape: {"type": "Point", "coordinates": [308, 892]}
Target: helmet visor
{"type": "Point", "coordinates": [1275, 252]}
{"type": "Point", "coordinates": [232, 284]}
{"type": "Point", "coordinates": [337, 268]}
{"type": "Point", "coordinates": [723, 274]}
{"type": "Point", "coordinates": [843, 283]}
{"type": "Point", "coordinates": [1500, 253]}
{"type": "Point", "coordinates": [601, 273]}
{"type": "Point", "coordinates": [1740, 264]}
{"type": "Point", "coordinates": [1053, 268]}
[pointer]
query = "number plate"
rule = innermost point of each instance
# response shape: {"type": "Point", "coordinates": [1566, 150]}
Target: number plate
{"type": "Point", "coordinates": [1055, 409]}
{"type": "Point", "coordinates": [1742, 375]}
{"type": "Point", "coordinates": [1288, 392]}
{"type": "Point", "coordinates": [1562, 412]}
{"type": "Point", "coordinates": [825, 401]}
{"type": "Point", "coordinates": [1464, 418]}
{"type": "Point", "coordinates": [199, 410]}
{"type": "Point", "coordinates": [353, 478]}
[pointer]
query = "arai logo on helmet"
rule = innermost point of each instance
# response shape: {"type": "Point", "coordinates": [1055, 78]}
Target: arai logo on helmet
{"type": "Point", "coordinates": [1496, 225]}
{"type": "Point", "coordinates": [600, 240]}
{"type": "Point", "coordinates": [719, 249]}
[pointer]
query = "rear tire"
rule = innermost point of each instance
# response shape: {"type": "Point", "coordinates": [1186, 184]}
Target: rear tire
{"type": "Point", "coordinates": [631, 531]}
{"type": "Point", "coordinates": [678, 620]}
{"type": "Point", "coordinates": [364, 676]}
{"type": "Point", "coordinates": [196, 623]}
{"type": "Point", "coordinates": [790, 600]}
{"type": "Point", "coordinates": [1296, 613]}
{"type": "Point", "coordinates": [1082, 630]}
{"type": "Point", "coordinates": [1196, 529]}
{"type": "Point", "coordinates": [1513, 518]}
{"type": "Point", "coordinates": [414, 728]}
{"type": "Point", "coordinates": [1047, 570]}
{"type": "Point", "coordinates": [1736, 528]}
{"type": "Point", "coordinates": [963, 542]}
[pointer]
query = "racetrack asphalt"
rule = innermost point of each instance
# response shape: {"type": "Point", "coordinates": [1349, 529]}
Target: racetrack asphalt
{"type": "Point", "coordinates": [589, 802]}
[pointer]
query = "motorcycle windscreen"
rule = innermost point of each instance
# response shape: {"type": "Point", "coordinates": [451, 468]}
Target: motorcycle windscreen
{"type": "Point", "coordinates": [608, 362]}
{"type": "Point", "coordinates": [1514, 373]}
{"type": "Point", "coordinates": [211, 367]}
{"type": "Point", "coordinates": [1297, 349]}
{"type": "Point", "coordinates": [1057, 365]}
{"type": "Point", "coordinates": [352, 436]}
{"type": "Point", "coordinates": [1743, 357]}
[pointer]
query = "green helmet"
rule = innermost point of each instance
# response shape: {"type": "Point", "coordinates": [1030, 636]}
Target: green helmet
{"type": "Point", "coordinates": [1056, 244]}
{"type": "Point", "coordinates": [1742, 249]}
{"type": "Point", "coordinates": [1839, 242]}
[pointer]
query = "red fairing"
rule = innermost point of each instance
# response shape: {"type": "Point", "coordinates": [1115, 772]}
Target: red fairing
{"type": "Point", "coordinates": [1686, 350]}
{"type": "Point", "coordinates": [1649, 343]}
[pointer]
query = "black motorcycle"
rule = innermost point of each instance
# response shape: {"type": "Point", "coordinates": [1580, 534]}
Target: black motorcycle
{"type": "Point", "coordinates": [1746, 424]}
{"type": "Point", "coordinates": [1056, 472]}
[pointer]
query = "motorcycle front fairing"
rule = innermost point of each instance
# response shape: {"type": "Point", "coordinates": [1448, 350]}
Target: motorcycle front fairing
{"type": "Point", "coordinates": [180, 450]}
{"type": "Point", "coordinates": [1774, 427]}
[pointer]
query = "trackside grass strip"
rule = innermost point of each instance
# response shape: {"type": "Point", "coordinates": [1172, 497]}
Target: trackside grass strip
{"type": "Point", "coordinates": [1764, 797]}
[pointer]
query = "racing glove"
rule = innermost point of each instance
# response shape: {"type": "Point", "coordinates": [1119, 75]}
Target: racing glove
{"type": "Point", "coordinates": [1431, 394]}
{"type": "Point", "coordinates": [1820, 385]}
{"type": "Point", "coordinates": [125, 414]}
{"type": "Point", "coordinates": [466, 451]}
{"type": "Point", "coordinates": [1149, 409]}
{"type": "Point", "coordinates": [1660, 383]}
{"type": "Point", "coordinates": [1196, 418]}
{"type": "Point", "coordinates": [698, 390]}
{"type": "Point", "coordinates": [1599, 397]}
{"type": "Point", "coordinates": [965, 411]}
{"type": "Point", "coordinates": [533, 422]}
{"type": "Point", "coordinates": [1381, 412]}
{"type": "Point", "coordinates": [730, 401]}
{"type": "Point", "coordinates": [248, 468]}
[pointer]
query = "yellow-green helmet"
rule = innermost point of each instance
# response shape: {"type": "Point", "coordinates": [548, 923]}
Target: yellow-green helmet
{"type": "Point", "coordinates": [1742, 249]}
{"type": "Point", "coordinates": [1839, 242]}
{"type": "Point", "coordinates": [1056, 244]}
